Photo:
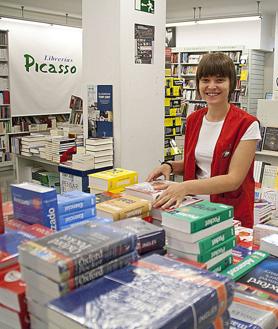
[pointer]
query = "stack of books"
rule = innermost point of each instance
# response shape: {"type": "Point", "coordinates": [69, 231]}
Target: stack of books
{"type": "Point", "coordinates": [102, 151]}
{"type": "Point", "coordinates": [202, 232]}
{"type": "Point", "coordinates": [124, 207]}
{"type": "Point", "coordinates": [113, 180]}
{"type": "Point", "coordinates": [35, 204]}
{"type": "Point", "coordinates": [270, 244]}
{"type": "Point", "coordinates": [59, 146]}
{"type": "Point", "coordinates": [262, 211]}
{"type": "Point", "coordinates": [13, 308]}
{"type": "Point", "coordinates": [154, 292]}
{"type": "Point", "coordinates": [75, 207]}
{"type": "Point", "coordinates": [150, 238]}
{"type": "Point", "coordinates": [265, 229]}
{"type": "Point", "coordinates": [55, 265]}
{"type": "Point", "coordinates": [31, 145]}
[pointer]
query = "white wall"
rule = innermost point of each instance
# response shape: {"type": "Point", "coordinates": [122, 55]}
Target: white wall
{"type": "Point", "coordinates": [275, 74]}
{"type": "Point", "coordinates": [138, 89]}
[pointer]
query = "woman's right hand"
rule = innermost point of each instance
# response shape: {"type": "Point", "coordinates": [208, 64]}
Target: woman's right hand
{"type": "Point", "coordinates": [163, 170]}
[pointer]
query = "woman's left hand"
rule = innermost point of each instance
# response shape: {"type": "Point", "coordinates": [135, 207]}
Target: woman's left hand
{"type": "Point", "coordinates": [172, 197]}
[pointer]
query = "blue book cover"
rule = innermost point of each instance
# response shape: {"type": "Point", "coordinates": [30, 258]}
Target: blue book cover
{"type": "Point", "coordinates": [75, 201]}
{"type": "Point", "coordinates": [149, 236]}
{"type": "Point", "coordinates": [35, 204]}
{"type": "Point", "coordinates": [68, 253]}
{"type": "Point", "coordinates": [95, 220]}
{"type": "Point", "coordinates": [75, 217]}
{"type": "Point", "coordinates": [130, 298]}
{"type": "Point", "coordinates": [262, 280]}
{"type": "Point", "coordinates": [208, 294]}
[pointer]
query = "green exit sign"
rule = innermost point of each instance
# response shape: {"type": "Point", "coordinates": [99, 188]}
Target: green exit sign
{"type": "Point", "coordinates": [145, 5]}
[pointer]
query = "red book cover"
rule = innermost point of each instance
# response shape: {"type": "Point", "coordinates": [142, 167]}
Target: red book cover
{"type": "Point", "coordinates": [16, 225]}
{"type": "Point", "coordinates": [3, 271]}
{"type": "Point", "coordinates": [6, 96]}
{"type": "Point", "coordinates": [19, 319]}
{"type": "Point", "coordinates": [12, 290]}
{"type": "Point", "coordinates": [38, 230]}
{"type": "Point", "coordinates": [2, 228]}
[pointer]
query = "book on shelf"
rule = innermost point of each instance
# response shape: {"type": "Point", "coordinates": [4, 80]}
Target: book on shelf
{"type": "Point", "coordinates": [149, 236]}
{"type": "Point", "coordinates": [197, 216]}
{"type": "Point", "coordinates": [79, 249]}
{"type": "Point", "coordinates": [270, 141]}
{"type": "Point", "coordinates": [136, 290]}
{"type": "Point", "coordinates": [55, 289]}
{"type": "Point", "coordinates": [270, 244]}
{"type": "Point", "coordinates": [35, 204]}
{"type": "Point", "coordinates": [270, 177]}
{"type": "Point", "coordinates": [123, 207]}
{"type": "Point", "coordinates": [262, 280]}
{"type": "Point", "coordinates": [247, 311]}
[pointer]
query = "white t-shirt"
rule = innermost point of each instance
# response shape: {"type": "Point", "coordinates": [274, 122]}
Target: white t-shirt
{"type": "Point", "coordinates": [210, 131]}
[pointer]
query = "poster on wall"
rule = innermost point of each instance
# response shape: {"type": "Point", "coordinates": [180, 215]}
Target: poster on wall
{"type": "Point", "coordinates": [45, 67]}
{"type": "Point", "coordinates": [145, 5]}
{"type": "Point", "coordinates": [100, 110]}
{"type": "Point", "coordinates": [144, 43]}
{"type": "Point", "coordinates": [170, 37]}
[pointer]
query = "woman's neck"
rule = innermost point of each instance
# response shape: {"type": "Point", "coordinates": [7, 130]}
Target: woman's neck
{"type": "Point", "coordinates": [217, 113]}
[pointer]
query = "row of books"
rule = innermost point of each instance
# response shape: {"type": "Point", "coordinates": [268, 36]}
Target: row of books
{"type": "Point", "coordinates": [4, 69]}
{"type": "Point", "coordinates": [265, 175]}
{"type": "Point", "coordinates": [4, 54]}
{"type": "Point", "coordinates": [3, 38]}
{"type": "Point", "coordinates": [269, 141]}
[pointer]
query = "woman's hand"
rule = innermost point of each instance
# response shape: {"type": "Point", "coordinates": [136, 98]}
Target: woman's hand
{"type": "Point", "coordinates": [172, 197]}
{"type": "Point", "coordinates": [163, 170]}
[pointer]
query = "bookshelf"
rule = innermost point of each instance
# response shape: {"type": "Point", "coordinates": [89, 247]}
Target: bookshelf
{"type": "Point", "coordinates": [5, 108]}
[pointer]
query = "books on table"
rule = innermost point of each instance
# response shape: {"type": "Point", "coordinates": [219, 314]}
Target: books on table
{"type": "Point", "coordinates": [156, 292]}
{"type": "Point", "coordinates": [270, 244]}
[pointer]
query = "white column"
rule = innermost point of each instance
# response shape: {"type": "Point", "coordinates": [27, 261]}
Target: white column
{"type": "Point", "coordinates": [138, 89]}
{"type": "Point", "coordinates": [275, 70]}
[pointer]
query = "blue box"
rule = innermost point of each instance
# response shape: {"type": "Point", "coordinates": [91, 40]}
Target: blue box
{"type": "Point", "coordinates": [73, 179]}
{"type": "Point", "coordinates": [35, 204]}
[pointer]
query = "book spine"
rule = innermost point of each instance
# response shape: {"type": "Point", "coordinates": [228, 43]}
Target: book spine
{"type": "Point", "coordinates": [97, 272]}
{"type": "Point", "coordinates": [93, 259]}
{"type": "Point", "coordinates": [76, 205]}
{"type": "Point", "coordinates": [220, 266]}
{"type": "Point", "coordinates": [216, 239]}
{"type": "Point", "coordinates": [151, 242]}
{"type": "Point", "coordinates": [138, 211]}
{"type": "Point", "coordinates": [218, 250]}
{"type": "Point", "coordinates": [77, 216]}
{"type": "Point", "coordinates": [50, 210]}
{"type": "Point", "coordinates": [240, 269]}
{"type": "Point", "coordinates": [208, 221]}
{"type": "Point", "coordinates": [120, 182]}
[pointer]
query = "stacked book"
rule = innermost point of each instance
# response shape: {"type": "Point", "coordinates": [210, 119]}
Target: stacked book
{"type": "Point", "coordinates": [58, 264]}
{"type": "Point", "coordinates": [202, 232]}
{"type": "Point", "coordinates": [270, 244]}
{"type": "Point", "coordinates": [75, 207]}
{"type": "Point", "coordinates": [13, 308]}
{"type": "Point", "coordinates": [265, 229]}
{"type": "Point", "coordinates": [262, 211]}
{"type": "Point", "coordinates": [31, 145]}
{"type": "Point", "coordinates": [113, 180]}
{"type": "Point", "coordinates": [154, 292]}
{"type": "Point", "coordinates": [102, 151]}
{"type": "Point", "coordinates": [124, 207]}
{"type": "Point", "coordinates": [150, 238]}
{"type": "Point", "coordinates": [59, 146]}
{"type": "Point", "coordinates": [35, 204]}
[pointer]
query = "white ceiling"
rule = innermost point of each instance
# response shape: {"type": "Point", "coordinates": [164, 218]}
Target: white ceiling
{"type": "Point", "coordinates": [176, 9]}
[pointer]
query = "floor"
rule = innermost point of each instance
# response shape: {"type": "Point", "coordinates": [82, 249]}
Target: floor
{"type": "Point", "coordinates": [7, 177]}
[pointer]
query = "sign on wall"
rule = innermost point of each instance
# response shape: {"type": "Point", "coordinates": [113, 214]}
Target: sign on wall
{"type": "Point", "coordinates": [145, 5]}
{"type": "Point", "coordinates": [45, 67]}
{"type": "Point", "coordinates": [144, 43]}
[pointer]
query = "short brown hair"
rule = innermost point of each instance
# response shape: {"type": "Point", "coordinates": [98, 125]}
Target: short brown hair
{"type": "Point", "coordinates": [217, 64]}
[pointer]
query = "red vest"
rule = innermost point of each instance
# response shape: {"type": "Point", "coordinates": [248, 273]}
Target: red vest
{"type": "Point", "coordinates": [235, 125]}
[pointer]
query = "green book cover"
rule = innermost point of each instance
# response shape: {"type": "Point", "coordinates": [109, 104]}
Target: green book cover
{"type": "Point", "coordinates": [220, 266]}
{"type": "Point", "coordinates": [215, 239]}
{"type": "Point", "coordinates": [218, 250]}
{"type": "Point", "coordinates": [240, 269]}
{"type": "Point", "coordinates": [197, 216]}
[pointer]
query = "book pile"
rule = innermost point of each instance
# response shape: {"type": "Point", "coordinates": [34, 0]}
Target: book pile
{"type": "Point", "coordinates": [265, 229]}
{"type": "Point", "coordinates": [262, 211]}
{"type": "Point", "coordinates": [13, 308]}
{"type": "Point", "coordinates": [59, 146]}
{"type": "Point", "coordinates": [55, 265]}
{"type": "Point", "coordinates": [33, 144]}
{"type": "Point", "coordinates": [124, 207]}
{"type": "Point", "coordinates": [270, 244]}
{"type": "Point", "coordinates": [33, 203]}
{"type": "Point", "coordinates": [75, 207]}
{"type": "Point", "coordinates": [113, 180]}
{"type": "Point", "coordinates": [102, 151]}
{"type": "Point", "coordinates": [154, 292]}
{"type": "Point", "coordinates": [150, 238]}
{"type": "Point", "coordinates": [248, 311]}
{"type": "Point", "coordinates": [202, 232]}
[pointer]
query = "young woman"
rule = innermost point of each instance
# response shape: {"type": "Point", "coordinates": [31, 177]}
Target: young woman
{"type": "Point", "coordinates": [220, 145]}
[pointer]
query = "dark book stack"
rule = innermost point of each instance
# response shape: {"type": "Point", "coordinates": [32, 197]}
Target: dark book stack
{"type": "Point", "coordinates": [56, 265]}
{"type": "Point", "coordinates": [154, 292]}
{"type": "Point", "coordinates": [150, 238]}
